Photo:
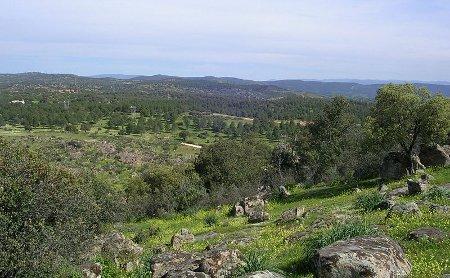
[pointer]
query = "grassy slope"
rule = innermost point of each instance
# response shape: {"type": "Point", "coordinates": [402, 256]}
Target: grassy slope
{"type": "Point", "coordinates": [428, 259]}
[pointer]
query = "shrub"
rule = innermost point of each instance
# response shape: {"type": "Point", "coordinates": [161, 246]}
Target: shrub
{"type": "Point", "coordinates": [45, 212]}
{"type": "Point", "coordinates": [210, 220]}
{"type": "Point", "coordinates": [437, 193]}
{"type": "Point", "coordinates": [253, 261]}
{"type": "Point", "coordinates": [370, 202]}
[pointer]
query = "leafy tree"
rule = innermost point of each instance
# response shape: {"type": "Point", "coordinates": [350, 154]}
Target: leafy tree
{"type": "Point", "coordinates": [405, 116]}
{"type": "Point", "coordinates": [85, 127]}
{"type": "Point", "coordinates": [184, 134]}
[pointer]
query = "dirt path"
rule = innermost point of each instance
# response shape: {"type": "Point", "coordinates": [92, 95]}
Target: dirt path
{"type": "Point", "coordinates": [192, 145]}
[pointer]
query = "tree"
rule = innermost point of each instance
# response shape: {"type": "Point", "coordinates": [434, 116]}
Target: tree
{"type": "Point", "coordinates": [85, 127]}
{"type": "Point", "coordinates": [184, 134]}
{"type": "Point", "coordinates": [405, 116]}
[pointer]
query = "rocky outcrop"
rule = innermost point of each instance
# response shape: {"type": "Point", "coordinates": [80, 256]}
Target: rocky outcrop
{"type": "Point", "coordinates": [121, 250]}
{"type": "Point", "coordinates": [362, 257]}
{"type": "Point", "coordinates": [91, 270]}
{"type": "Point", "coordinates": [263, 274]}
{"type": "Point", "coordinates": [214, 262]}
{"type": "Point", "coordinates": [238, 210]}
{"type": "Point", "coordinates": [402, 191]}
{"type": "Point", "coordinates": [406, 208]}
{"type": "Point", "coordinates": [434, 156]}
{"type": "Point", "coordinates": [292, 214]}
{"type": "Point", "coordinates": [258, 216]}
{"type": "Point", "coordinates": [427, 233]}
{"type": "Point", "coordinates": [180, 238]}
{"type": "Point", "coordinates": [394, 166]}
{"type": "Point", "coordinates": [253, 204]}
{"type": "Point", "coordinates": [416, 187]}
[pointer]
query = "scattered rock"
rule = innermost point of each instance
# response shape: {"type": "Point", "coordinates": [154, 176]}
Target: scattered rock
{"type": "Point", "coordinates": [383, 188]}
{"type": "Point", "coordinates": [238, 210]}
{"type": "Point", "coordinates": [386, 203]}
{"type": "Point", "coordinates": [178, 239]}
{"type": "Point", "coordinates": [215, 262]}
{"type": "Point", "coordinates": [160, 249]}
{"type": "Point", "coordinates": [416, 187]}
{"type": "Point", "coordinates": [92, 270]}
{"type": "Point", "coordinates": [394, 166]}
{"type": "Point", "coordinates": [407, 208]}
{"type": "Point", "coordinates": [263, 274]}
{"type": "Point", "coordinates": [284, 192]}
{"type": "Point", "coordinates": [258, 216]}
{"type": "Point", "coordinates": [121, 250]}
{"type": "Point", "coordinates": [434, 156]}
{"type": "Point", "coordinates": [362, 257]}
{"type": "Point", "coordinates": [402, 191]}
{"type": "Point", "coordinates": [428, 233]}
{"type": "Point", "coordinates": [292, 214]}
{"type": "Point", "coordinates": [252, 204]}
{"type": "Point", "coordinates": [439, 208]}
{"type": "Point", "coordinates": [296, 237]}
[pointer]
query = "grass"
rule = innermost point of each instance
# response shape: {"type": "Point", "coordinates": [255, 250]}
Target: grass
{"type": "Point", "coordinates": [268, 249]}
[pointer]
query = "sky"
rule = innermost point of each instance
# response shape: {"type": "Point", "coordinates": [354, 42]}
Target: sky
{"type": "Point", "coordinates": [261, 40]}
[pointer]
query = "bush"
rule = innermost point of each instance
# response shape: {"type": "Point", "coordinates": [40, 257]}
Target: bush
{"type": "Point", "coordinates": [210, 220]}
{"type": "Point", "coordinates": [437, 193]}
{"type": "Point", "coordinates": [370, 202]}
{"type": "Point", "coordinates": [253, 261]}
{"type": "Point", "coordinates": [45, 212]}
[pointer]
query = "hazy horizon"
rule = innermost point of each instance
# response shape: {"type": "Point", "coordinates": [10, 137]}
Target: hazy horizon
{"type": "Point", "coordinates": [258, 40]}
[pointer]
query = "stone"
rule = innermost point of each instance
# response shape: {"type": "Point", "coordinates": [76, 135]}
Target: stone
{"type": "Point", "coordinates": [402, 191]}
{"type": "Point", "coordinates": [263, 274]}
{"type": "Point", "coordinates": [383, 188]}
{"type": "Point", "coordinates": [252, 204]}
{"type": "Point", "coordinates": [92, 270]}
{"type": "Point", "coordinates": [258, 216]}
{"type": "Point", "coordinates": [394, 166]}
{"type": "Point", "coordinates": [427, 233]}
{"type": "Point", "coordinates": [292, 214]}
{"type": "Point", "coordinates": [121, 250]}
{"type": "Point", "coordinates": [296, 236]}
{"type": "Point", "coordinates": [238, 210]}
{"type": "Point", "coordinates": [367, 256]}
{"type": "Point", "coordinates": [439, 208]}
{"type": "Point", "coordinates": [178, 239]}
{"type": "Point", "coordinates": [213, 262]}
{"type": "Point", "coordinates": [434, 156]}
{"type": "Point", "coordinates": [284, 192]}
{"type": "Point", "coordinates": [416, 187]}
{"type": "Point", "coordinates": [407, 208]}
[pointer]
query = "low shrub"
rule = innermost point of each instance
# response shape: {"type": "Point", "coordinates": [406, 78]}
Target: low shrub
{"type": "Point", "coordinates": [210, 220]}
{"type": "Point", "coordinates": [437, 193]}
{"type": "Point", "coordinates": [370, 202]}
{"type": "Point", "coordinates": [253, 261]}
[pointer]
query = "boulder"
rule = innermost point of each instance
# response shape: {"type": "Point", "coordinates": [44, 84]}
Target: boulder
{"type": "Point", "coordinates": [178, 239]}
{"type": "Point", "coordinates": [258, 216]}
{"type": "Point", "coordinates": [406, 208]}
{"type": "Point", "coordinates": [238, 210]}
{"type": "Point", "coordinates": [252, 204]}
{"type": "Point", "coordinates": [284, 192]}
{"type": "Point", "coordinates": [214, 262]}
{"type": "Point", "coordinates": [263, 274]}
{"type": "Point", "coordinates": [416, 187]}
{"type": "Point", "coordinates": [383, 189]}
{"type": "Point", "coordinates": [122, 251]}
{"type": "Point", "coordinates": [402, 191]}
{"type": "Point", "coordinates": [394, 166]}
{"type": "Point", "coordinates": [362, 257]}
{"type": "Point", "coordinates": [427, 233]}
{"type": "Point", "coordinates": [439, 208]}
{"type": "Point", "coordinates": [434, 156]}
{"type": "Point", "coordinates": [292, 214]}
{"type": "Point", "coordinates": [91, 270]}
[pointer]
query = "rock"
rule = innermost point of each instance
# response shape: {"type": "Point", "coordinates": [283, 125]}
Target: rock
{"type": "Point", "coordinates": [362, 257]}
{"type": "Point", "coordinates": [252, 204]}
{"type": "Point", "coordinates": [386, 204]}
{"type": "Point", "coordinates": [407, 208]}
{"type": "Point", "coordinates": [160, 249]}
{"type": "Point", "coordinates": [426, 177]}
{"type": "Point", "coordinates": [263, 274]}
{"type": "Point", "coordinates": [284, 192]}
{"type": "Point", "coordinates": [92, 270]}
{"type": "Point", "coordinates": [383, 188]}
{"type": "Point", "coordinates": [428, 233]}
{"type": "Point", "coordinates": [292, 214]}
{"type": "Point", "coordinates": [238, 210]}
{"type": "Point", "coordinates": [258, 216]}
{"type": "Point", "coordinates": [121, 250]}
{"type": "Point", "coordinates": [394, 166]}
{"type": "Point", "coordinates": [215, 262]}
{"type": "Point", "coordinates": [206, 236]}
{"type": "Point", "coordinates": [416, 187]}
{"type": "Point", "coordinates": [439, 208]}
{"type": "Point", "coordinates": [296, 237]}
{"type": "Point", "coordinates": [402, 191]}
{"type": "Point", "coordinates": [434, 156]}
{"type": "Point", "coordinates": [178, 239]}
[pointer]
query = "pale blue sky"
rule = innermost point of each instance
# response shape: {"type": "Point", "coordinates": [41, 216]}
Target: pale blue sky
{"type": "Point", "coordinates": [392, 39]}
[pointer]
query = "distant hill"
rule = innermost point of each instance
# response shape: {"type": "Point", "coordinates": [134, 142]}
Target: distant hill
{"type": "Point", "coordinates": [115, 76]}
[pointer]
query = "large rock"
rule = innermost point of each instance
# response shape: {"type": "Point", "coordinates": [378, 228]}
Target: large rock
{"type": "Point", "coordinates": [362, 257]}
{"type": "Point", "coordinates": [406, 208]}
{"type": "Point", "coordinates": [238, 210]}
{"type": "Point", "coordinates": [258, 216]}
{"type": "Point", "coordinates": [427, 233]}
{"type": "Point", "coordinates": [284, 193]}
{"type": "Point", "coordinates": [292, 214]}
{"type": "Point", "coordinates": [215, 262]}
{"type": "Point", "coordinates": [434, 156]}
{"type": "Point", "coordinates": [121, 250]}
{"type": "Point", "coordinates": [416, 187]}
{"type": "Point", "coordinates": [398, 192]}
{"type": "Point", "coordinates": [93, 270]}
{"type": "Point", "coordinates": [394, 166]}
{"type": "Point", "coordinates": [252, 204]}
{"type": "Point", "coordinates": [178, 239]}
{"type": "Point", "coordinates": [263, 274]}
